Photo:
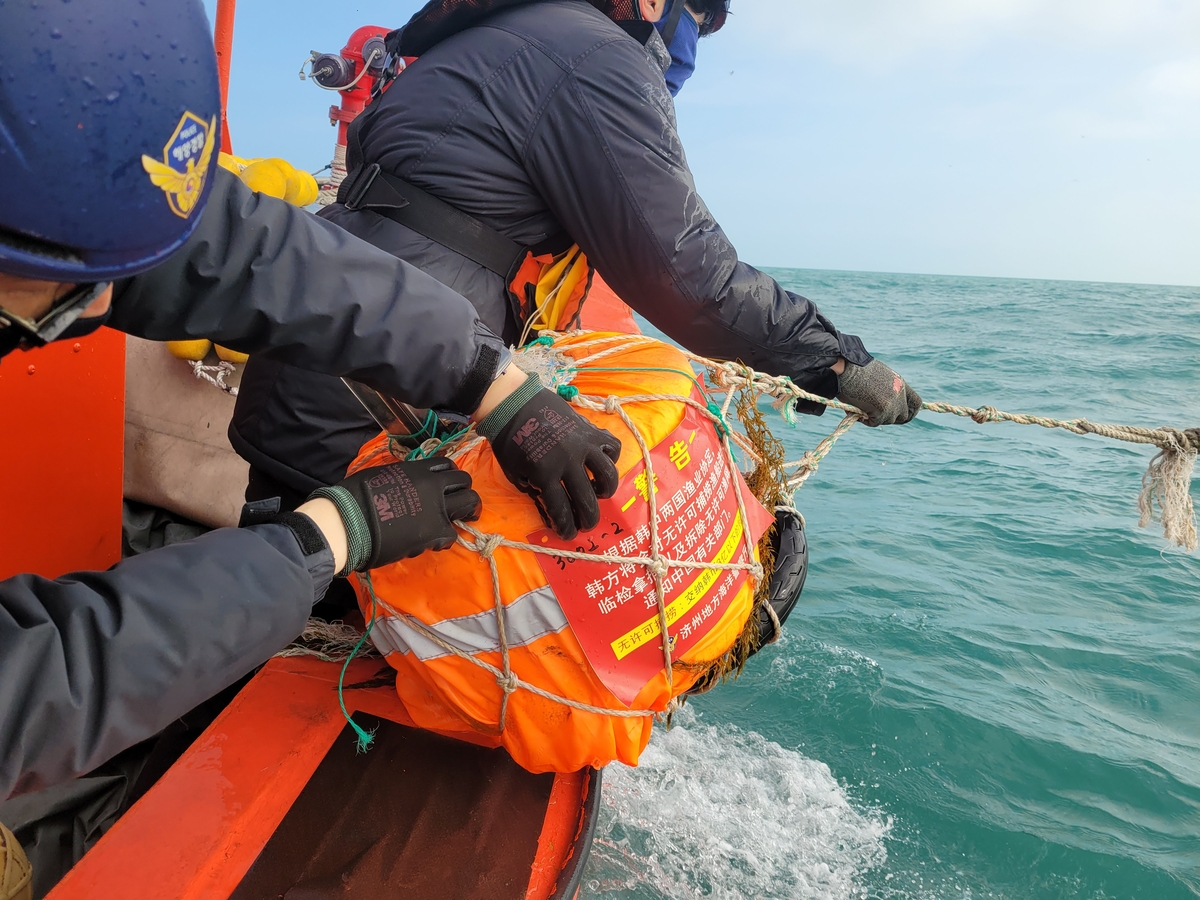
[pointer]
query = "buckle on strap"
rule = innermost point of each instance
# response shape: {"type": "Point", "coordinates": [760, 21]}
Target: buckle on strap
{"type": "Point", "coordinates": [362, 184]}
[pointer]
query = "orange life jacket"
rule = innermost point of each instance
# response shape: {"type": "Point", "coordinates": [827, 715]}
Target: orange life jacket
{"type": "Point", "coordinates": [582, 630]}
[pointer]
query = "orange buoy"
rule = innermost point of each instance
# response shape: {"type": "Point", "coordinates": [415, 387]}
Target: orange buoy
{"type": "Point", "coordinates": [581, 667]}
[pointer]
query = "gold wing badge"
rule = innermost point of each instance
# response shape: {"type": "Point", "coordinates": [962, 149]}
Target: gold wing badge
{"type": "Point", "coordinates": [185, 163]}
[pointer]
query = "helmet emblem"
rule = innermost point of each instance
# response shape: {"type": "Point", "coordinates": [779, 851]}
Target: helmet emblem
{"type": "Point", "coordinates": [185, 164]}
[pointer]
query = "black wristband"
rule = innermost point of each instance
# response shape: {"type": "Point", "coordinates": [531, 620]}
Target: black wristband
{"type": "Point", "coordinates": [306, 531]}
{"type": "Point", "coordinates": [266, 512]}
{"type": "Point", "coordinates": [470, 393]}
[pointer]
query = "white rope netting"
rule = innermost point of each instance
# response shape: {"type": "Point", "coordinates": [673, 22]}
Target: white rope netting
{"type": "Point", "coordinates": [1166, 484]}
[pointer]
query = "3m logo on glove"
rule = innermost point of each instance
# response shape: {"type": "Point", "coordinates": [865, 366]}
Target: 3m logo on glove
{"type": "Point", "coordinates": [394, 495]}
{"type": "Point", "coordinates": [185, 163]}
{"type": "Point", "coordinates": [525, 431]}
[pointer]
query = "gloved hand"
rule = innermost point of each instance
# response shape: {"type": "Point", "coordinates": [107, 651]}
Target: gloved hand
{"type": "Point", "coordinates": [879, 392]}
{"type": "Point", "coordinates": [400, 510]}
{"type": "Point", "coordinates": [547, 450]}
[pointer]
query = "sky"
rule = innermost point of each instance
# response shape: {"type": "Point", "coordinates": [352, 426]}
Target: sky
{"type": "Point", "coordinates": [1014, 138]}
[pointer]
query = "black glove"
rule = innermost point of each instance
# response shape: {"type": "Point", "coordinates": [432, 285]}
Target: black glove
{"type": "Point", "coordinates": [547, 450]}
{"type": "Point", "coordinates": [401, 510]}
{"type": "Point", "coordinates": [879, 392]}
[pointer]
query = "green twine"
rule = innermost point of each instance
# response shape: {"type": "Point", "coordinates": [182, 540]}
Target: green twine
{"type": "Point", "coordinates": [567, 391]}
{"type": "Point", "coordinates": [419, 453]}
{"type": "Point", "coordinates": [365, 738]}
{"type": "Point", "coordinates": [427, 430]}
{"type": "Point", "coordinates": [544, 341]}
{"type": "Point", "coordinates": [715, 410]}
{"type": "Point", "coordinates": [788, 411]}
{"type": "Point", "coordinates": [692, 375]}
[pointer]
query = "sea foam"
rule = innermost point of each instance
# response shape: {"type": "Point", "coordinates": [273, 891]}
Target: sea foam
{"type": "Point", "coordinates": [714, 811]}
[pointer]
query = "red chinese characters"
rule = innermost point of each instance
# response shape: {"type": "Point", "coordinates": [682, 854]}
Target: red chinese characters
{"type": "Point", "coordinates": [613, 606]}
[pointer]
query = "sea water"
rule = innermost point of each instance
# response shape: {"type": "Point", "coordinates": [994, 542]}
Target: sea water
{"type": "Point", "coordinates": [991, 685]}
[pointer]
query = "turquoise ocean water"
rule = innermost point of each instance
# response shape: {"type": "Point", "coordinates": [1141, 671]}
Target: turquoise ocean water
{"type": "Point", "coordinates": [991, 685]}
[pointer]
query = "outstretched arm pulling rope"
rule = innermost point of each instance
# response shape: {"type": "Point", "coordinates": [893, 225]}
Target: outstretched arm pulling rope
{"type": "Point", "coordinates": [1166, 484]}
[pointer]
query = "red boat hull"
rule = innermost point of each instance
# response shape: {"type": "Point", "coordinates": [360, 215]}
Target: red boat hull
{"type": "Point", "coordinates": [273, 797]}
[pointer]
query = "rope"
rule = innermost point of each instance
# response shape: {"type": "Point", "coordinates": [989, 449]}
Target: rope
{"type": "Point", "coordinates": [337, 174]}
{"type": "Point", "coordinates": [656, 564]}
{"type": "Point", "coordinates": [215, 375]}
{"type": "Point", "coordinates": [328, 642]}
{"type": "Point", "coordinates": [1166, 485]}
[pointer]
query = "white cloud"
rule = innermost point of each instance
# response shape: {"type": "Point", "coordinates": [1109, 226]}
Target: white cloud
{"type": "Point", "coordinates": [1158, 103]}
{"type": "Point", "coordinates": [1180, 78]}
{"type": "Point", "coordinates": [880, 33]}
{"type": "Point", "coordinates": [1021, 137]}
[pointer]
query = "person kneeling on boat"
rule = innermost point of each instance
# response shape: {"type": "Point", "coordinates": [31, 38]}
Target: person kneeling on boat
{"type": "Point", "coordinates": [547, 128]}
{"type": "Point", "coordinates": [116, 213]}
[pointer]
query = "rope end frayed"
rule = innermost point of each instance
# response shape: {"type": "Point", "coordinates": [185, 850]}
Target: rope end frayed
{"type": "Point", "coordinates": [365, 738]}
{"type": "Point", "coordinates": [1167, 485]}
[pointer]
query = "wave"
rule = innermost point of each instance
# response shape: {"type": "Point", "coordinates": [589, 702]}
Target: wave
{"type": "Point", "coordinates": [714, 811]}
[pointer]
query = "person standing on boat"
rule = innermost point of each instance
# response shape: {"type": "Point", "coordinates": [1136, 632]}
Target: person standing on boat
{"type": "Point", "coordinates": [546, 126]}
{"type": "Point", "coordinates": [115, 213]}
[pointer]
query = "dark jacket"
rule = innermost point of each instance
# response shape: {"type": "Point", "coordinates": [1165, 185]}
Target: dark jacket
{"type": "Point", "coordinates": [94, 662]}
{"type": "Point", "coordinates": [549, 118]}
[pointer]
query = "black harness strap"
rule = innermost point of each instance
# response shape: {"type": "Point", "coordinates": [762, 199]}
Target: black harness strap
{"type": "Point", "coordinates": [435, 219]}
{"type": "Point", "coordinates": [668, 32]}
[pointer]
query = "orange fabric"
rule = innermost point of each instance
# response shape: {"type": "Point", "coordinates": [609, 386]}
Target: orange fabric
{"type": "Point", "coordinates": [525, 282]}
{"type": "Point", "coordinates": [605, 311]}
{"type": "Point", "coordinates": [449, 695]}
{"type": "Point", "coordinates": [568, 295]}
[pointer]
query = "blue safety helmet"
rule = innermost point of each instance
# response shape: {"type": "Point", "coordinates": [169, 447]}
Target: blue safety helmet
{"type": "Point", "coordinates": [109, 130]}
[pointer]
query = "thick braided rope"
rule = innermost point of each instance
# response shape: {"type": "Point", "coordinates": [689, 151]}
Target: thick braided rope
{"type": "Point", "coordinates": [1166, 484]}
{"type": "Point", "coordinates": [215, 375]}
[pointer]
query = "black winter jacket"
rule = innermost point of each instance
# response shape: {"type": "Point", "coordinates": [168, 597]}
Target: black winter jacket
{"type": "Point", "coordinates": [94, 662]}
{"type": "Point", "coordinates": [546, 118]}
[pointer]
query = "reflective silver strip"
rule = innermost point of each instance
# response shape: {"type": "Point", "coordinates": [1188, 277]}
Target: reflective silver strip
{"type": "Point", "coordinates": [529, 617]}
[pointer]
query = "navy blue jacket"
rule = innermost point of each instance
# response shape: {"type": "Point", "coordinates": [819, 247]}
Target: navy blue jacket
{"type": "Point", "coordinates": [94, 662]}
{"type": "Point", "coordinates": [543, 119]}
